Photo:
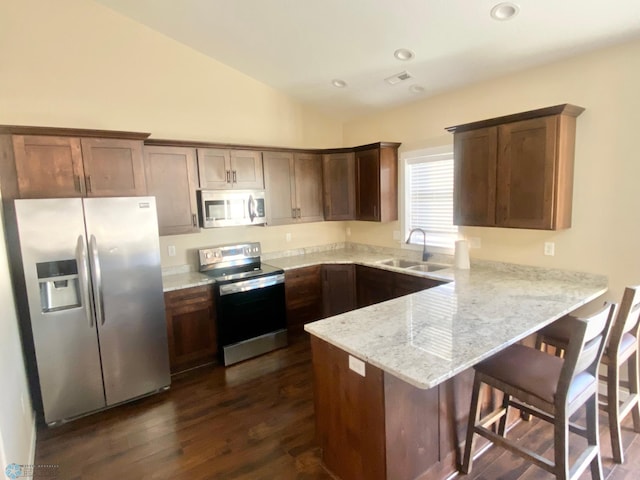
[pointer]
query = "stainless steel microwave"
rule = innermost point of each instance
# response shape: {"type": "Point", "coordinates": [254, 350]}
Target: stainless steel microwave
{"type": "Point", "coordinates": [228, 208]}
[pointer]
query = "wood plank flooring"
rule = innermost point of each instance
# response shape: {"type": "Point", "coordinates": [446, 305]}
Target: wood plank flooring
{"type": "Point", "coordinates": [249, 421]}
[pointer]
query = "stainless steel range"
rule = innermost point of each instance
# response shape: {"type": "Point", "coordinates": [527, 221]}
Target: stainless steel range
{"type": "Point", "coordinates": [250, 302]}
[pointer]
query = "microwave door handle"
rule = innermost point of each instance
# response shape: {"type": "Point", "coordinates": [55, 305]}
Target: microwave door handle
{"type": "Point", "coordinates": [83, 270]}
{"type": "Point", "coordinates": [96, 275]}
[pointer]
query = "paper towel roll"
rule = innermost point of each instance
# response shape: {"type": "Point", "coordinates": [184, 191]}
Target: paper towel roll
{"type": "Point", "coordinates": [461, 256]}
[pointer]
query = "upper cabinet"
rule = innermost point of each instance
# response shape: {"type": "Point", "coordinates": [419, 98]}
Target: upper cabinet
{"type": "Point", "coordinates": [172, 177]}
{"type": "Point", "coordinates": [516, 171]}
{"type": "Point", "coordinates": [293, 187]}
{"type": "Point", "coordinates": [49, 165]}
{"type": "Point", "coordinates": [221, 169]}
{"type": "Point", "coordinates": [377, 182]}
{"type": "Point", "coordinates": [339, 186]}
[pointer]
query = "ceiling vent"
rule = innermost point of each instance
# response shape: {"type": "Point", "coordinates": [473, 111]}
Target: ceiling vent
{"type": "Point", "coordinates": [397, 78]}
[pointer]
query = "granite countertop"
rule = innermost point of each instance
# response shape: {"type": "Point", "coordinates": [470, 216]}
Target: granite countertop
{"type": "Point", "coordinates": [182, 278]}
{"type": "Point", "coordinates": [428, 337]}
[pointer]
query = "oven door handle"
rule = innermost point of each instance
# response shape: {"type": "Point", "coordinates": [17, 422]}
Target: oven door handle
{"type": "Point", "coordinates": [251, 284]}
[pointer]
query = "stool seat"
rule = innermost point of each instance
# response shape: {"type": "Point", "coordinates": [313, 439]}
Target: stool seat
{"type": "Point", "coordinates": [622, 349]}
{"type": "Point", "coordinates": [549, 387]}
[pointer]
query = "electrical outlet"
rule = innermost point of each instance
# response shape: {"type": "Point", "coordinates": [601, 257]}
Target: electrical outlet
{"type": "Point", "coordinates": [549, 248]}
{"type": "Point", "coordinates": [287, 237]}
{"type": "Point", "coordinates": [357, 365]}
{"type": "Point", "coordinates": [171, 249]}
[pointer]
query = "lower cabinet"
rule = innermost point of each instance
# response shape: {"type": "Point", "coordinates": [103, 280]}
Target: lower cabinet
{"type": "Point", "coordinates": [374, 285]}
{"type": "Point", "coordinates": [303, 292]}
{"type": "Point", "coordinates": [191, 328]}
{"type": "Point", "coordinates": [338, 289]}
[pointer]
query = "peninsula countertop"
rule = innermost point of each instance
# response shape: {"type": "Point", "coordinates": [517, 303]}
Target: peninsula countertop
{"type": "Point", "coordinates": [428, 337]}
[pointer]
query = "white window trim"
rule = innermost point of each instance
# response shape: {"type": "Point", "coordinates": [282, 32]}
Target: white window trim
{"type": "Point", "coordinates": [406, 159]}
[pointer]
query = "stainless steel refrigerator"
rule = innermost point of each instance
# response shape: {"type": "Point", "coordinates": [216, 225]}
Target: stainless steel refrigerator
{"type": "Point", "coordinates": [93, 284]}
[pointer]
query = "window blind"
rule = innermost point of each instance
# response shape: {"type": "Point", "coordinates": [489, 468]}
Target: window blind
{"type": "Point", "coordinates": [429, 201]}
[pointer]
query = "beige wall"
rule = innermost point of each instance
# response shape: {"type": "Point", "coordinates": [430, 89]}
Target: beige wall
{"type": "Point", "coordinates": [605, 234]}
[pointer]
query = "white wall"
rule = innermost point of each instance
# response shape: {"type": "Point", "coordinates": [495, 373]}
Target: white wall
{"type": "Point", "coordinates": [606, 223]}
{"type": "Point", "coordinates": [17, 421]}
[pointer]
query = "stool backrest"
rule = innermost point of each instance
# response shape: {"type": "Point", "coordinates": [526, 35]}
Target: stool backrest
{"type": "Point", "coordinates": [627, 320]}
{"type": "Point", "coordinates": [586, 345]}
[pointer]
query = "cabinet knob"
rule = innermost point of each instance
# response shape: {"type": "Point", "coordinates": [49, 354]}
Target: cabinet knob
{"type": "Point", "coordinates": [76, 183]}
{"type": "Point", "coordinates": [88, 183]}
{"type": "Point", "coordinates": [194, 220]}
{"type": "Point", "coordinates": [235, 177]}
{"type": "Point", "coordinates": [293, 213]}
{"type": "Point", "coordinates": [228, 176]}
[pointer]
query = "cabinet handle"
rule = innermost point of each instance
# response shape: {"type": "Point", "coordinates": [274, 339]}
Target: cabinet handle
{"type": "Point", "coordinates": [293, 213]}
{"type": "Point", "coordinates": [76, 183]}
{"type": "Point", "coordinates": [375, 211]}
{"type": "Point", "coordinates": [299, 213]}
{"type": "Point", "coordinates": [228, 176]}
{"type": "Point", "coordinates": [88, 183]}
{"type": "Point", "coordinates": [194, 220]}
{"type": "Point", "coordinates": [235, 178]}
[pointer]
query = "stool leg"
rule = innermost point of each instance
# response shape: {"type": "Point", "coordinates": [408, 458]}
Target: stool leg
{"type": "Point", "coordinates": [561, 445]}
{"type": "Point", "coordinates": [633, 389]}
{"type": "Point", "coordinates": [613, 408]}
{"type": "Point", "coordinates": [503, 420]}
{"type": "Point", "coordinates": [593, 437]}
{"type": "Point", "coordinates": [474, 416]}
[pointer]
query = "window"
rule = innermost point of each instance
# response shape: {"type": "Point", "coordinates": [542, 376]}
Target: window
{"type": "Point", "coordinates": [429, 196]}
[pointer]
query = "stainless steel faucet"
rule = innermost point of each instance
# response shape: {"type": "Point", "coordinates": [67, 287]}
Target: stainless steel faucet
{"type": "Point", "coordinates": [425, 255]}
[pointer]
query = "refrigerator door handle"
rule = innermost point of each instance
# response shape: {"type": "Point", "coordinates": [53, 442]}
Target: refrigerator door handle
{"type": "Point", "coordinates": [97, 279]}
{"type": "Point", "coordinates": [83, 267]}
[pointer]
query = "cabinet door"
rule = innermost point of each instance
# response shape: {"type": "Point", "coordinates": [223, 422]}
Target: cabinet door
{"type": "Point", "coordinates": [373, 285]}
{"type": "Point", "coordinates": [48, 167]}
{"type": "Point", "coordinates": [526, 173]}
{"type": "Point", "coordinates": [339, 186]}
{"type": "Point", "coordinates": [113, 168]}
{"type": "Point", "coordinates": [191, 327]}
{"type": "Point", "coordinates": [214, 168]}
{"type": "Point", "coordinates": [368, 185]}
{"type": "Point", "coordinates": [303, 293]}
{"type": "Point", "coordinates": [404, 284]}
{"type": "Point", "coordinates": [308, 187]}
{"type": "Point", "coordinates": [338, 289]}
{"type": "Point", "coordinates": [171, 177]}
{"type": "Point", "coordinates": [474, 191]}
{"type": "Point", "coordinates": [279, 188]}
{"type": "Point", "coordinates": [246, 169]}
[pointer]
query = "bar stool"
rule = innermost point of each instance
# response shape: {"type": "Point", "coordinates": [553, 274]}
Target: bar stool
{"type": "Point", "coordinates": [622, 348]}
{"type": "Point", "coordinates": [550, 388]}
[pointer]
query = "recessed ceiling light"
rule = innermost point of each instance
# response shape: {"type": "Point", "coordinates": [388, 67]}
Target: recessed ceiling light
{"type": "Point", "coordinates": [504, 11]}
{"type": "Point", "coordinates": [403, 54]}
{"type": "Point", "coordinates": [336, 82]}
{"type": "Point", "coordinates": [416, 89]}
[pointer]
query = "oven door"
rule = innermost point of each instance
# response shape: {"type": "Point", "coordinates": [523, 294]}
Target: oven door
{"type": "Point", "coordinates": [251, 317]}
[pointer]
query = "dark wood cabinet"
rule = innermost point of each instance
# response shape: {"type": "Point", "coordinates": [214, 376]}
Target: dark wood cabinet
{"type": "Point", "coordinates": [230, 169]}
{"type": "Point", "coordinates": [49, 166]}
{"type": "Point", "coordinates": [172, 177]}
{"type": "Point", "coordinates": [377, 182]}
{"type": "Point", "coordinates": [516, 171]}
{"type": "Point", "coordinates": [293, 187]}
{"type": "Point", "coordinates": [113, 168]}
{"type": "Point", "coordinates": [303, 293]}
{"type": "Point", "coordinates": [405, 284]}
{"type": "Point", "coordinates": [191, 327]}
{"type": "Point", "coordinates": [374, 285]}
{"type": "Point", "coordinates": [338, 289]}
{"type": "Point", "coordinates": [339, 186]}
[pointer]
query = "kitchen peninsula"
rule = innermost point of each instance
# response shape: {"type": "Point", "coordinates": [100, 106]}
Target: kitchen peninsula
{"type": "Point", "coordinates": [393, 380]}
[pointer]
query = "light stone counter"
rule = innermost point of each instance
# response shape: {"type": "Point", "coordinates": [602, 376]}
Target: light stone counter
{"type": "Point", "coordinates": [430, 336]}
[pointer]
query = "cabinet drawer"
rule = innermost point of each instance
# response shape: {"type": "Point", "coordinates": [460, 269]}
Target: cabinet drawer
{"type": "Point", "coordinates": [188, 296]}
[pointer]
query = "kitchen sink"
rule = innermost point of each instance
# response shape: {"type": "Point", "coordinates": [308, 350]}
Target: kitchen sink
{"type": "Point", "coordinates": [401, 263]}
{"type": "Point", "coordinates": [427, 267]}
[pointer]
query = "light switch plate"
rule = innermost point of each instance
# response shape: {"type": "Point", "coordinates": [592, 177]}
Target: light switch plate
{"type": "Point", "coordinates": [357, 365]}
{"type": "Point", "coordinates": [549, 248]}
{"type": "Point", "coordinates": [287, 237]}
{"type": "Point", "coordinates": [171, 249]}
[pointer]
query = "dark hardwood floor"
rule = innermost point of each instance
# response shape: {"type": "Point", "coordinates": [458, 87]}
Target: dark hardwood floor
{"type": "Point", "coordinates": [249, 421]}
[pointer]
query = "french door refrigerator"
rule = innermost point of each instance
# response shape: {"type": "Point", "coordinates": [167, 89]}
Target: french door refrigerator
{"type": "Point", "coordinates": [93, 284]}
